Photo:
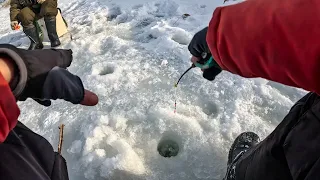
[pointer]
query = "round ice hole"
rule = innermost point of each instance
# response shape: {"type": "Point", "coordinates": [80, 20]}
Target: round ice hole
{"type": "Point", "coordinates": [107, 70]}
{"type": "Point", "coordinates": [210, 108]}
{"type": "Point", "coordinates": [168, 148]}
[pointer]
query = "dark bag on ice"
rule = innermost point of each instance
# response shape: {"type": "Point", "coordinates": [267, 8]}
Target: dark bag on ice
{"type": "Point", "coordinates": [26, 155]}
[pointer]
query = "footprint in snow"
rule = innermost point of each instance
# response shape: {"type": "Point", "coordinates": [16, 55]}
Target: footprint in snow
{"type": "Point", "coordinates": [107, 70]}
{"type": "Point", "coordinates": [103, 69]}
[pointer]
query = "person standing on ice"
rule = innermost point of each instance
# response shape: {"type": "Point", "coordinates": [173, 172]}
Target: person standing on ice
{"type": "Point", "coordinates": [27, 12]}
{"type": "Point", "coordinates": [278, 41]}
{"type": "Point", "coordinates": [40, 75]}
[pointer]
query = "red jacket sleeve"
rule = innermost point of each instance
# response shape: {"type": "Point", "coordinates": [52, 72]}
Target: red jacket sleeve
{"type": "Point", "coordinates": [9, 110]}
{"type": "Point", "coordinates": [272, 39]}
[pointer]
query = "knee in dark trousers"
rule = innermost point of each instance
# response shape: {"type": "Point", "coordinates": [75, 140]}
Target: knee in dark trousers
{"type": "Point", "coordinates": [26, 17]}
{"type": "Point", "coordinates": [49, 8]}
{"type": "Point", "coordinates": [291, 150]}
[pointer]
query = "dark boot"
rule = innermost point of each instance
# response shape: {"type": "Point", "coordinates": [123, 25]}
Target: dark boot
{"type": "Point", "coordinates": [33, 35]}
{"type": "Point", "coordinates": [243, 143]}
{"type": "Point", "coordinates": [52, 31]}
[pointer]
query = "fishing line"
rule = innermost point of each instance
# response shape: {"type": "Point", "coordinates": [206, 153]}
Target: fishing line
{"type": "Point", "coordinates": [176, 86]}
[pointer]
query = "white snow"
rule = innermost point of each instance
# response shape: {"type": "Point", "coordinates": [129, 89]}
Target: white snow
{"type": "Point", "coordinates": [131, 53]}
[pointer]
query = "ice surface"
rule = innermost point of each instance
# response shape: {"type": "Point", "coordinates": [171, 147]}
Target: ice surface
{"type": "Point", "coordinates": [131, 53]}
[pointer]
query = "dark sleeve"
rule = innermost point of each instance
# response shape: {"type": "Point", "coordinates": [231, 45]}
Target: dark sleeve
{"type": "Point", "coordinates": [61, 84]}
{"type": "Point", "coordinates": [314, 171]}
{"type": "Point", "coordinates": [39, 64]}
{"type": "Point", "coordinates": [35, 64]}
{"type": "Point", "coordinates": [40, 61]}
{"type": "Point", "coordinates": [21, 76]}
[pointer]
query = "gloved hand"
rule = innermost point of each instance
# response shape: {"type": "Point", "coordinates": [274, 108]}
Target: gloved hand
{"type": "Point", "coordinates": [41, 1]}
{"type": "Point", "coordinates": [198, 46]}
{"type": "Point", "coordinates": [43, 76]}
{"type": "Point", "coordinates": [14, 24]}
{"type": "Point", "coordinates": [200, 51]}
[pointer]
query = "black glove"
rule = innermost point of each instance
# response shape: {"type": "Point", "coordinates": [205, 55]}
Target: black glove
{"type": "Point", "coordinates": [42, 75]}
{"type": "Point", "coordinates": [211, 73]}
{"type": "Point", "coordinates": [199, 48]}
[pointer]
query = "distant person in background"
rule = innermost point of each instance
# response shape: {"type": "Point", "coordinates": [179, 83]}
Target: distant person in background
{"type": "Point", "coordinates": [27, 12]}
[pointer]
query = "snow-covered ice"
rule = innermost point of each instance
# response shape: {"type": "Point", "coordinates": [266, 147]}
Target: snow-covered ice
{"type": "Point", "coordinates": [131, 53]}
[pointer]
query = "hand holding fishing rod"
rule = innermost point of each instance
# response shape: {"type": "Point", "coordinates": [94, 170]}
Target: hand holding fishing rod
{"type": "Point", "coordinates": [201, 57]}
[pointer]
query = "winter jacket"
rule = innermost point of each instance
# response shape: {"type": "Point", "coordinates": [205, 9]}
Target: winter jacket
{"type": "Point", "coordinates": [17, 5]}
{"type": "Point", "coordinates": [27, 156]}
{"type": "Point", "coordinates": [24, 155]}
{"type": "Point", "coordinates": [9, 111]}
{"type": "Point", "coordinates": [291, 151]}
{"type": "Point", "coordinates": [43, 74]}
{"type": "Point", "coordinates": [272, 39]}
{"type": "Point", "coordinates": [29, 10]}
{"type": "Point", "coordinates": [40, 75]}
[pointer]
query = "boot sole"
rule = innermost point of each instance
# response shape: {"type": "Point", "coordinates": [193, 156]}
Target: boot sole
{"type": "Point", "coordinates": [243, 137]}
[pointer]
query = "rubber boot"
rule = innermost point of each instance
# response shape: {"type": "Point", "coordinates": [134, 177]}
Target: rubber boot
{"type": "Point", "coordinates": [33, 35]}
{"type": "Point", "coordinates": [241, 144]}
{"type": "Point", "coordinates": [52, 31]}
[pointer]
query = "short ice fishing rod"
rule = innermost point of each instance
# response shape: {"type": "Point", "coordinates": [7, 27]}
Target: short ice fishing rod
{"type": "Point", "coordinates": [192, 66]}
{"type": "Point", "coordinates": [176, 85]}
{"type": "Point", "coordinates": [206, 62]}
